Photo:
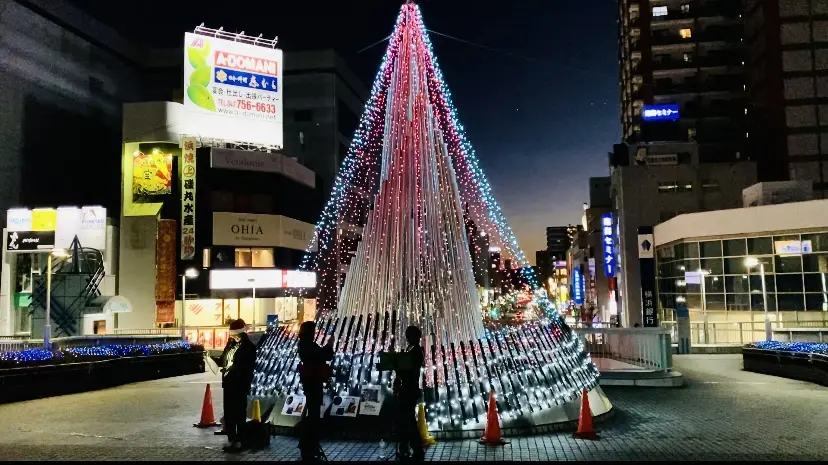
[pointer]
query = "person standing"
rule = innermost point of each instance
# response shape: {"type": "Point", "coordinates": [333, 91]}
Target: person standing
{"type": "Point", "coordinates": [239, 361]}
{"type": "Point", "coordinates": [407, 392]}
{"type": "Point", "coordinates": [313, 373]}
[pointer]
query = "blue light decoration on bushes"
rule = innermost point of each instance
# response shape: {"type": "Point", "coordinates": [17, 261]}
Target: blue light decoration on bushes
{"type": "Point", "coordinates": [105, 351]}
{"type": "Point", "coordinates": [799, 347]}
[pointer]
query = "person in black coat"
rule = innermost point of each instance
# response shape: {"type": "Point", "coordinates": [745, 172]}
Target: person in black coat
{"type": "Point", "coordinates": [239, 361]}
{"type": "Point", "coordinates": [407, 392]}
{"type": "Point", "coordinates": [313, 373]}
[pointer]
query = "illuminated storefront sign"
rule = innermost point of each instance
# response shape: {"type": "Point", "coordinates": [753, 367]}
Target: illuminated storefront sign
{"type": "Point", "coordinates": [151, 173]}
{"type": "Point", "coordinates": [793, 247]}
{"type": "Point", "coordinates": [48, 228]}
{"type": "Point", "coordinates": [261, 279]}
{"type": "Point", "coordinates": [608, 245]}
{"type": "Point", "coordinates": [188, 195]}
{"type": "Point", "coordinates": [668, 112]}
{"type": "Point", "coordinates": [577, 286]}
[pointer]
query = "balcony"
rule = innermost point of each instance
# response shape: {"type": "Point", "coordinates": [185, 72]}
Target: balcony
{"type": "Point", "coordinates": [699, 62]}
{"type": "Point", "coordinates": [691, 86]}
{"type": "Point", "coordinates": [710, 10]}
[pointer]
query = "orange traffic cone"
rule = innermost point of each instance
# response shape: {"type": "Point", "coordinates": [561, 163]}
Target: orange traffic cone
{"type": "Point", "coordinates": [208, 420]}
{"type": "Point", "coordinates": [491, 435]}
{"type": "Point", "coordinates": [585, 428]}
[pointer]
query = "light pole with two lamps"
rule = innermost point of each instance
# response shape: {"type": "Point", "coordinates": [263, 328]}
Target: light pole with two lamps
{"type": "Point", "coordinates": [190, 273]}
{"type": "Point", "coordinates": [751, 262]}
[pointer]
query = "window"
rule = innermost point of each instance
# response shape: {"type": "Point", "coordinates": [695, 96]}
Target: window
{"type": "Point", "coordinates": [221, 201]}
{"type": "Point", "coordinates": [796, 60]}
{"type": "Point", "coordinates": [710, 185]}
{"type": "Point", "coordinates": [802, 144]}
{"type": "Point", "coordinates": [735, 248]}
{"type": "Point", "coordinates": [685, 8]}
{"type": "Point", "coordinates": [820, 31]}
{"type": "Point", "coordinates": [667, 187]}
{"type": "Point", "coordinates": [688, 57]}
{"type": "Point", "coordinates": [711, 248]}
{"type": "Point", "coordinates": [302, 116]}
{"type": "Point", "coordinates": [800, 116]}
{"type": "Point", "coordinates": [799, 88]}
{"type": "Point", "coordinates": [254, 258]}
{"type": "Point", "coordinates": [659, 11]}
{"type": "Point", "coordinates": [686, 33]}
{"type": "Point", "coordinates": [795, 33]}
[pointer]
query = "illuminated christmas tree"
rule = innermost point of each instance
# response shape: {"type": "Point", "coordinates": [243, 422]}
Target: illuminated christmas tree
{"type": "Point", "coordinates": [401, 203]}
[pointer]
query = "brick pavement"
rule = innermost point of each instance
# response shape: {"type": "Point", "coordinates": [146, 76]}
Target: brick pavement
{"type": "Point", "coordinates": [722, 413]}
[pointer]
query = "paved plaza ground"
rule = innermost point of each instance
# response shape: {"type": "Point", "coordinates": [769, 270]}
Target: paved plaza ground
{"type": "Point", "coordinates": [721, 413]}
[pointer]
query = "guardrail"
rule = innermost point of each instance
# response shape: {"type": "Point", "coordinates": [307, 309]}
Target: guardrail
{"type": "Point", "coordinates": [625, 349]}
{"type": "Point", "coordinates": [734, 332]}
{"type": "Point", "coordinates": [211, 337]}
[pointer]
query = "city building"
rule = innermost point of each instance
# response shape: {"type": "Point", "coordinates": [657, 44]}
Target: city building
{"type": "Point", "coordinates": [602, 258]}
{"type": "Point", "coordinates": [652, 183]}
{"type": "Point", "coordinates": [786, 62]}
{"type": "Point", "coordinates": [64, 78]}
{"type": "Point", "coordinates": [770, 193]}
{"type": "Point", "coordinates": [681, 74]}
{"type": "Point", "coordinates": [557, 242]}
{"type": "Point", "coordinates": [731, 250]}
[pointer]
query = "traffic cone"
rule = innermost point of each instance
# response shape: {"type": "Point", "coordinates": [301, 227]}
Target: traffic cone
{"type": "Point", "coordinates": [428, 440]}
{"type": "Point", "coordinates": [491, 435]}
{"type": "Point", "coordinates": [208, 420]}
{"type": "Point", "coordinates": [256, 414]}
{"type": "Point", "coordinates": [585, 428]}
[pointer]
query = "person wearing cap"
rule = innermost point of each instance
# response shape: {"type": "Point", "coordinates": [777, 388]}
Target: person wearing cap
{"type": "Point", "coordinates": [239, 359]}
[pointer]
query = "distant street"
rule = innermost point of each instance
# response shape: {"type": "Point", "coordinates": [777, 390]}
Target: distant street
{"type": "Point", "coordinates": [721, 413]}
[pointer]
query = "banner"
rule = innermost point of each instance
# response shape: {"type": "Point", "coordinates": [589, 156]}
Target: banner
{"type": "Point", "coordinates": [151, 173]}
{"type": "Point", "coordinates": [188, 198]}
{"type": "Point", "coordinates": [165, 272]}
{"type": "Point", "coordinates": [252, 230]}
{"type": "Point", "coordinates": [47, 228]}
{"type": "Point", "coordinates": [371, 401]}
{"type": "Point", "coordinates": [30, 241]}
{"type": "Point", "coordinates": [245, 160]}
{"type": "Point", "coordinates": [646, 265]}
{"type": "Point", "coordinates": [345, 406]}
{"type": "Point", "coordinates": [44, 219]}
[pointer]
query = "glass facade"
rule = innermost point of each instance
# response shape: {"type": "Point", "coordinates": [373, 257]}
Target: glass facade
{"type": "Point", "coordinates": [796, 274]}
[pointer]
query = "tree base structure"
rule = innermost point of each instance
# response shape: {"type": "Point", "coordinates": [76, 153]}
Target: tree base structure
{"type": "Point", "coordinates": [537, 389]}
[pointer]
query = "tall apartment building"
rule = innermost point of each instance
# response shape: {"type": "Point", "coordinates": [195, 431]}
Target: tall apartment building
{"type": "Point", "coordinates": [681, 74]}
{"type": "Point", "coordinates": [557, 242]}
{"type": "Point", "coordinates": [786, 69]}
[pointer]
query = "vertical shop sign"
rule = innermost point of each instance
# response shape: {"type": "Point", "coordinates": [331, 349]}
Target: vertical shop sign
{"type": "Point", "coordinates": [646, 264]}
{"type": "Point", "coordinates": [608, 245]}
{"type": "Point", "coordinates": [188, 193]}
{"type": "Point", "coordinates": [165, 272]}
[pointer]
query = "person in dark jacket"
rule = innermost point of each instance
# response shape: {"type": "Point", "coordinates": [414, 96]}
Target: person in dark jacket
{"type": "Point", "coordinates": [313, 372]}
{"type": "Point", "coordinates": [239, 360]}
{"type": "Point", "coordinates": [407, 392]}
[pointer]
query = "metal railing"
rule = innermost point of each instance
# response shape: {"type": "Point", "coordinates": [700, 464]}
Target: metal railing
{"type": "Point", "coordinates": [626, 349]}
{"type": "Point", "coordinates": [734, 332]}
{"type": "Point", "coordinates": [211, 337]}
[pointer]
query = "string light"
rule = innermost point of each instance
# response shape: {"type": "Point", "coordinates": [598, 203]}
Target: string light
{"type": "Point", "coordinates": [87, 353]}
{"type": "Point", "coordinates": [799, 347]}
{"type": "Point", "coordinates": [408, 187]}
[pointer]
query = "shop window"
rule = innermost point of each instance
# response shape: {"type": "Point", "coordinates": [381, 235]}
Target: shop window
{"type": "Point", "coordinates": [734, 247]}
{"type": "Point", "coordinates": [816, 302]}
{"type": "Point", "coordinates": [686, 33]}
{"type": "Point", "coordinates": [760, 246]}
{"type": "Point", "coordinates": [815, 282]}
{"type": "Point", "coordinates": [715, 301]}
{"type": "Point", "coordinates": [792, 264]}
{"type": "Point", "coordinates": [738, 302]}
{"type": "Point", "coordinates": [756, 283]}
{"type": "Point", "coordinates": [790, 302]}
{"type": "Point", "coordinates": [814, 262]}
{"type": "Point", "coordinates": [714, 284]}
{"type": "Point", "coordinates": [789, 283]}
{"type": "Point", "coordinates": [737, 284]}
{"type": "Point", "coordinates": [757, 302]}
{"type": "Point", "coordinates": [711, 248]}
{"type": "Point", "coordinates": [254, 258]}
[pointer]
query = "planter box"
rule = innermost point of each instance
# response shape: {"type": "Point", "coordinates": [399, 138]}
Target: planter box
{"type": "Point", "coordinates": [26, 383]}
{"type": "Point", "coordinates": [793, 365]}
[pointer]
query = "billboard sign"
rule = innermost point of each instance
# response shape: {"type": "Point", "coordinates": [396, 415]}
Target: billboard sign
{"type": "Point", "coordinates": [233, 80]}
{"type": "Point", "coordinates": [43, 229]}
{"type": "Point", "coordinates": [653, 113]}
{"type": "Point", "coordinates": [188, 196]}
{"type": "Point", "coordinates": [264, 278]}
{"type": "Point", "coordinates": [608, 245]}
{"type": "Point", "coordinates": [246, 161]}
{"type": "Point", "coordinates": [577, 286]}
{"type": "Point", "coordinates": [30, 241]}
{"type": "Point", "coordinates": [151, 173]}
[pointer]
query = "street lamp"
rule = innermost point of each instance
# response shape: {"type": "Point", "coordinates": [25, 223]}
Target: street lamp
{"type": "Point", "coordinates": [190, 273]}
{"type": "Point", "coordinates": [252, 281]}
{"type": "Point", "coordinates": [751, 262]}
{"type": "Point", "coordinates": [702, 274]}
{"type": "Point", "coordinates": [47, 328]}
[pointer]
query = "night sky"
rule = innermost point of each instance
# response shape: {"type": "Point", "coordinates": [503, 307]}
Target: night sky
{"type": "Point", "coordinates": [541, 109]}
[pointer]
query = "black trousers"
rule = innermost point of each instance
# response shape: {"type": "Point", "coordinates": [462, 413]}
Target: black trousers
{"type": "Point", "coordinates": [309, 429]}
{"type": "Point", "coordinates": [409, 435]}
{"type": "Point", "coordinates": [235, 412]}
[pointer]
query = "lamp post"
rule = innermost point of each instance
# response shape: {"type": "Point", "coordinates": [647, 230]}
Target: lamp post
{"type": "Point", "coordinates": [190, 273]}
{"type": "Point", "coordinates": [751, 262]}
{"type": "Point", "coordinates": [702, 274]}
{"type": "Point", "coordinates": [47, 328]}
{"type": "Point", "coordinates": [252, 281]}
